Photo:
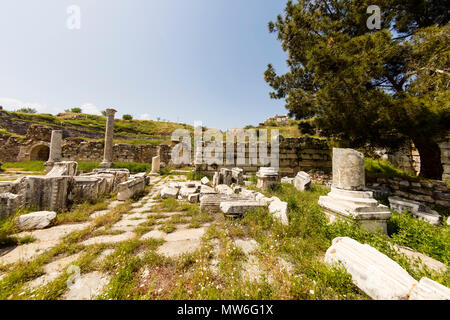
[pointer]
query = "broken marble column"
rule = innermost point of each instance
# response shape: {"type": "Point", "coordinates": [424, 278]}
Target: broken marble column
{"type": "Point", "coordinates": [348, 198]}
{"type": "Point", "coordinates": [348, 169]}
{"type": "Point", "coordinates": [428, 289]}
{"type": "Point", "coordinates": [156, 165]}
{"type": "Point", "coordinates": [267, 177]}
{"type": "Point", "coordinates": [109, 140]}
{"type": "Point", "coordinates": [380, 277]}
{"type": "Point", "coordinates": [55, 154]}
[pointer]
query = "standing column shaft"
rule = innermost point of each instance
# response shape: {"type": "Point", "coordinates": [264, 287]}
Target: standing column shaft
{"type": "Point", "coordinates": [109, 136]}
{"type": "Point", "coordinates": [55, 147]}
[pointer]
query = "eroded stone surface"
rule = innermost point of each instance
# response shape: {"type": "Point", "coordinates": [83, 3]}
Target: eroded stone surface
{"type": "Point", "coordinates": [154, 234]}
{"type": "Point", "coordinates": [53, 270]}
{"type": "Point", "coordinates": [86, 287]}
{"type": "Point", "coordinates": [348, 169]}
{"type": "Point", "coordinates": [36, 220]}
{"type": "Point", "coordinates": [186, 234]}
{"type": "Point", "coordinates": [428, 289]}
{"type": "Point", "coordinates": [177, 248]}
{"type": "Point", "coordinates": [373, 272]}
{"type": "Point", "coordinates": [109, 238]}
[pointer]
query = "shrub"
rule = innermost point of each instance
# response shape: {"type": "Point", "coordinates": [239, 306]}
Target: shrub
{"type": "Point", "coordinates": [127, 117]}
{"type": "Point", "coordinates": [27, 110]}
{"type": "Point", "coordinates": [195, 175]}
{"type": "Point", "coordinates": [384, 169]}
{"type": "Point", "coordinates": [76, 110]}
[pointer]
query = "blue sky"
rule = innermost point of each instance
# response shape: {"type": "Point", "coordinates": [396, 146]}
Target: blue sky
{"type": "Point", "coordinates": [180, 60]}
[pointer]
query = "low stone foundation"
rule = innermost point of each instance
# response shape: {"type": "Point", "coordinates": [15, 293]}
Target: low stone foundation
{"type": "Point", "coordinates": [431, 193]}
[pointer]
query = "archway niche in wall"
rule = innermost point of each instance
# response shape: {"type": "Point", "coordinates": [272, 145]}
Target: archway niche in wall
{"type": "Point", "coordinates": [39, 152]}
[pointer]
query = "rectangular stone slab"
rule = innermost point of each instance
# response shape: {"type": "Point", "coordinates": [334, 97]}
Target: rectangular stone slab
{"type": "Point", "coordinates": [239, 207]}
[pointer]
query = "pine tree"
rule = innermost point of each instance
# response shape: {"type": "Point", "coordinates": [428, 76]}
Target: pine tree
{"type": "Point", "coordinates": [379, 87]}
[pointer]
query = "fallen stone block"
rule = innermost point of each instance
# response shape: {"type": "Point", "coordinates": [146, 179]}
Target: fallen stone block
{"type": "Point", "coordinates": [128, 189]}
{"type": "Point", "coordinates": [35, 220]}
{"type": "Point", "coordinates": [86, 188]}
{"type": "Point", "coordinates": [211, 202]}
{"type": "Point", "coordinates": [266, 177]}
{"type": "Point", "coordinates": [63, 168]}
{"type": "Point", "coordinates": [239, 207]}
{"type": "Point", "coordinates": [205, 181]}
{"type": "Point", "coordinates": [428, 289]}
{"type": "Point", "coordinates": [418, 209]}
{"type": "Point", "coordinates": [120, 175]}
{"type": "Point", "coordinates": [373, 272]}
{"type": "Point", "coordinates": [287, 180]}
{"type": "Point", "coordinates": [45, 193]}
{"type": "Point", "coordinates": [237, 176]}
{"type": "Point", "coordinates": [279, 209]}
{"type": "Point", "coordinates": [168, 192]}
{"type": "Point", "coordinates": [302, 181]}
{"type": "Point", "coordinates": [186, 191]}
{"type": "Point", "coordinates": [223, 188]}
{"type": "Point", "coordinates": [420, 260]}
{"type": "Point", "coordinates": [194, 198]}
{"type": "Point", "coordinates": [9, 203]}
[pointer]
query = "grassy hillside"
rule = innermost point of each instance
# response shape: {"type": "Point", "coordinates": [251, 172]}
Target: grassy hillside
{"type": "Point", "coordinates": [93, 123]}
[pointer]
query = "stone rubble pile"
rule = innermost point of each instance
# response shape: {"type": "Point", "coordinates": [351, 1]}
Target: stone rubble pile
{"type": "Point", "coordinates": [378, 276]}
{"type": "Point", "coordinates": [61, 187]}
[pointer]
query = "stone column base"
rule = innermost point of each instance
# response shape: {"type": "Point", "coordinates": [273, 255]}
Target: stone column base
{"type": "Point", "coordinates": [356, 205]}
{"type": "Point", "coordinates": [106, 164]}
{"type": "Point", "coordinates": [264, 182]}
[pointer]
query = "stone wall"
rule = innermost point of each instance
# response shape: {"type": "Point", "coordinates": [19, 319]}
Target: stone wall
{"type": "Point", "coordinates": [445, 158]}
{"type": "Point", "coordinates": [430, 192]}
{"type": "Point", "coordinates": [296, 154]}
{"type": "Point", "coordinates": [76, 149]}
{"type": "Point", "coordinates": [406, 158]}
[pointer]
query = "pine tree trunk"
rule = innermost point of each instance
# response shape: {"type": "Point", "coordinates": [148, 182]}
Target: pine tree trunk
{"type": "Point", "coordinates": [430, 158]}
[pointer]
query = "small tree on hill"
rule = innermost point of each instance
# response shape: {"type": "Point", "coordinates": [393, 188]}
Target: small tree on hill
{"type": "Point", "coordinates": [127, 117]}
{"type": "Point", "coordinates": [76, 110]}
{"type": "Point", "coordinates": [27, 110]}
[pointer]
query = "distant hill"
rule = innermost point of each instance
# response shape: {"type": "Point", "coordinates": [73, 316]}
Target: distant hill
{"type": "Point", "coordinates": [91, 126]}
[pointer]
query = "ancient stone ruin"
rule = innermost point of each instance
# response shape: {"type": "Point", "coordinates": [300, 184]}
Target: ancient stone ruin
{"type": "Point", "coordinates": [109, 136]}
{"type": "Point", "coordinates": [348, 198]}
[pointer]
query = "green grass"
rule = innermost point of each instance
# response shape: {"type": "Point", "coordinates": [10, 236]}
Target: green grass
{"type": "Point", "coordinates": [134, 167]}
{"type": "Point", "coordinates": [308, 233]}
{"type": "Point", "coordinates": [94, 123]}
{"type": "Point", "coordinates": [384, 169]}
{"type": "Point", "coordinates": [86, 166]}
{"type": "Point", "coordinates": [195, 175]}
{"type": "Point", "coordinates": [25, 165]}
